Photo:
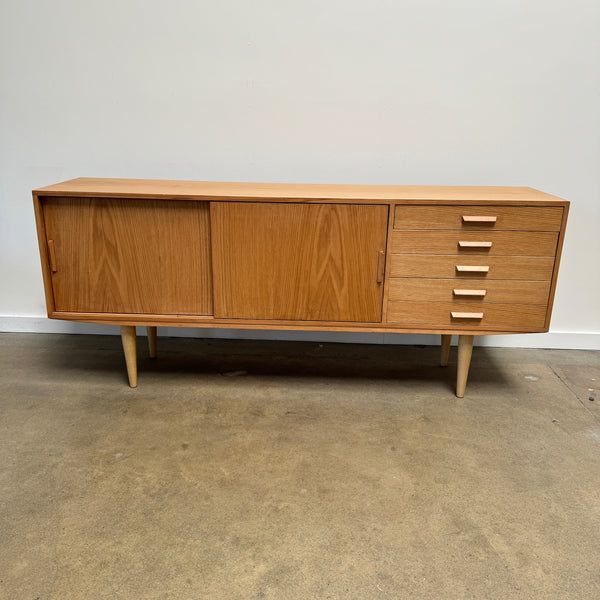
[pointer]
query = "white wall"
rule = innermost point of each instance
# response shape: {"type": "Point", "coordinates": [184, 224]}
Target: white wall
{"type": "Point", "coordinates": [468, 92]}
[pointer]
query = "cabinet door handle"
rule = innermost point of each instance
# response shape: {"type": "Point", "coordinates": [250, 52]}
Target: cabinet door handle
{"type": "Point", "coordinates": [464, 244]}
{"type": "Point", "coordinates": [380, 266]}
{"type": "Point", "coordinates": [472, 268]}
{"type": "Point", "coordinates": [463, 315]}
{"type": "Point", "coordinates": [52, 256]}
{"type": "Point", "coordinates": [478, 219]}
{"type": "Point", "coordinates": [469, 292]}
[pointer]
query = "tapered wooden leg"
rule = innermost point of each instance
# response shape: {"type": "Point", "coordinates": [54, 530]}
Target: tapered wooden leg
{"type": "Point", "coordinates": [151, 341]}
{"type": "Point", "coordinates": [446, 339]}
{"type": "Point", "coordinates": [129, 347]}
{"type": "Point", "coordinates": [465, 349]}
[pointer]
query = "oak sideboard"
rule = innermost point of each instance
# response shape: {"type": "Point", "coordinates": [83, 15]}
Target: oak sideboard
{"type": "Point", "coordinates": [466, 261]}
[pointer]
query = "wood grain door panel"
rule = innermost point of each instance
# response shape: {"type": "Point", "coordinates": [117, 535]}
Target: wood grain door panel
{"type": "Point", "coordinates": [309, 262]}
{"type": "Point", "coordinates": [130, 256]}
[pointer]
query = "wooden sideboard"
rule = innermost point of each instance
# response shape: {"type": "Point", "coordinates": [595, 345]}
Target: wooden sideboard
{"type": "Point", "coordinates": [405, 259]}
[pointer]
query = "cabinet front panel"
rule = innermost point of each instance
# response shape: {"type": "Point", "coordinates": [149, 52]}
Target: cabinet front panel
{"type": "Point", "coordinates": [537, 268]}
{"type": "Point", "coordinates": [470, 290]}
{"type": "Point", "coordinates": [129, 256]}
{"type": "Point", "coordinates": [484, 218]}
{"type": "Point", "coordinates": [468, 243]}
{"type": "Point", "coordinates": [314, 262]}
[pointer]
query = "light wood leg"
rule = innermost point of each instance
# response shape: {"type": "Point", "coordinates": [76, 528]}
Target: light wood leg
{"type": "Point", "coordinates": [129, 347]}
{"type": "Point", "coordinates": [151, 341]}
{"type": "Point", "coordinates": [446, 339]}
{"type": "Point", "coordinates": [465, 349]}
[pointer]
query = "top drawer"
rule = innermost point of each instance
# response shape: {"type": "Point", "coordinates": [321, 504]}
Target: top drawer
{"type": "Point", "coordinates": [477, 218]}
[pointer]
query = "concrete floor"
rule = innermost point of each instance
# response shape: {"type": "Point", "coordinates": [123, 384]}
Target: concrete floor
{"type": "Point", "coordinates": [328, 471]}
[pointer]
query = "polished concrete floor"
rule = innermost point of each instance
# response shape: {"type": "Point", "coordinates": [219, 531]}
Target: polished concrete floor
{"type": "Point", "coordinates": [278, 470]}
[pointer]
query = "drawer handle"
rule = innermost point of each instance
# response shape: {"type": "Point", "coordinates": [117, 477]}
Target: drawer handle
{"type": "Point", "coordinates": [52, 256]}
{"type": "Point", "coordinates": [474, 219]}
{"type": "Point", "coordinates": [464, 244]}
{"type": "Point", "coordinates": [380, 265]}
{"type": "Point", "coordinates": [472, 268]}
{"type": "Point", "coordinates": [469, 292]}
{"type": "Point", "coordinates": [462, 315]}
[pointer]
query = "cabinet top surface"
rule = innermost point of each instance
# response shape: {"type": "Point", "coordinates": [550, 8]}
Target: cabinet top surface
{"type": "Point", "coordinates": [199, 190]}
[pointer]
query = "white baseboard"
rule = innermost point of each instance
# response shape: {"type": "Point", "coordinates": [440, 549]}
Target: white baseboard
{"type": "Point", "coordinates": [574, 340]}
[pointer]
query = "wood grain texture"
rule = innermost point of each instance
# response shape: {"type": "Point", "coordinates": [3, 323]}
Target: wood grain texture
{"type": "Point", "coordinates": [294, 192]}
{"type": "Point", "coordinates": [478, 269]}
{"type": "Point", "coordinates": [388, 252]}
{"type": "Point", "coordinates": [130, 256]}
{"type": "Point", "coordinates": [504, 243]}
{"type": "Point", "coordinates": [44, 256]}
{"type": "Point", "coordinates": [494, 315]}
{"type": "Point", "coordinates": [152, 341]}
{"type": "Point", "coordinates": [129, 341]}
{"type": "Point", "coordinates": [257, 324]}
{"type": "Point", "coordinates": [500, 267]}
{"type": "Point", "coordinates": [508, 218]}
{"type": "Point", "coordinates": [52, 256]}
{"type": "Point", "coordinates": [470, 218]}
{"type": "Point", "coordinates": [496, 291]}
{"type": "Point", "coordinates": [472, 244]}
{"type": "Point", "coordinates": [559, 247]}
{"type": "Point", "coordinates": [297, 261]}
{"type": "Point", "coordinates": [469, 292]}
{"type": "Point", "coordinates": [465, 350]}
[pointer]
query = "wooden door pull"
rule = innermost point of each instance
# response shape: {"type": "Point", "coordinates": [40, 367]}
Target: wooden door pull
{"type": "Point", "coordinates": [380, 266]}
{"type": "Point", "coordinates": [52, 256]}
{"type": "Point", "coordinates": [475, 219]}
{"type": "Point", "coordinates": [464, 315]}
{"type": "Point", "coordinates": [469, 292]}
{"type": "Point", "coordinates": [464, 244]}
{"type": "Point", "coordinates": [472, 268]}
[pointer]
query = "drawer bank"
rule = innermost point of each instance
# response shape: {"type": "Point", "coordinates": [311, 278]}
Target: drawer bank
{"type": "Point", "coordinates": [404, 259]}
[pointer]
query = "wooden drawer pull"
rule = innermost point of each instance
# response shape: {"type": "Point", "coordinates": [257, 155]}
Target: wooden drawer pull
{"type": "Point", "coordinates": [473, 219]}
{"type": "Point", "coordinates": [463, 244]}
{"type": "Point", "coordinates": [469, 292]}
{"type": "Point", "coordinates": [462, 315]}
{"type": "Point", "coordinates": [380, 266]}
{"type": "Point", "coordinates": [472, 269]}
{"type": "Point", "coordinates": [52, 256]}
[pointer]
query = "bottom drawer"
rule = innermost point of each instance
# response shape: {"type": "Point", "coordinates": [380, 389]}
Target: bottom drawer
{"type": "Point", "coordinates": [527, 316]}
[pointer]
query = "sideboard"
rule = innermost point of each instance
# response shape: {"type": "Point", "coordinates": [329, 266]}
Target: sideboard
{"type": "Point", "coordinates": [463, 261]}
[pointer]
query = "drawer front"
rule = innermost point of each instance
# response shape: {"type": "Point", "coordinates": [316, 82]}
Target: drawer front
{"type": "Point", "coordinates": [484, 218]}
{"type": "Point", "coordinates": [538, 268]}
{"type": "Point", "coordinates": [466, 315]}
{"type": "Point", "coordinates": [474, 292]}
{"type": "Point", "coordinates": [468, 243]}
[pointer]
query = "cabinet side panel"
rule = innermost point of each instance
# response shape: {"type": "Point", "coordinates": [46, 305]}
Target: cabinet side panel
{"type": "Point", "coordinates": [130, 256]}
{"type": "Point", "coordinates": [300, 262]}
{"type": "Point", "coordinates": [43, 246]}
{"type": "Point", "coordinates": [559, 247]}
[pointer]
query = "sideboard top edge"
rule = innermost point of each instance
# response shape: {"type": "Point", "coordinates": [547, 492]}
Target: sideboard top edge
{"type": "Point", "coordinates": [246, 191]}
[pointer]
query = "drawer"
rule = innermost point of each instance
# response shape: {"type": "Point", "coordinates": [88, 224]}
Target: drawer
{"type": "Point", "coordinates": [525, 316]}
{"type": "Point", "coordinates": [485, 218]}
{"type": "Point", "coordinates": [535, 268]}
{"type": "Point", "coordinates": [474, 292]}
{"type": "Point", "coordinates": [466, 243]}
